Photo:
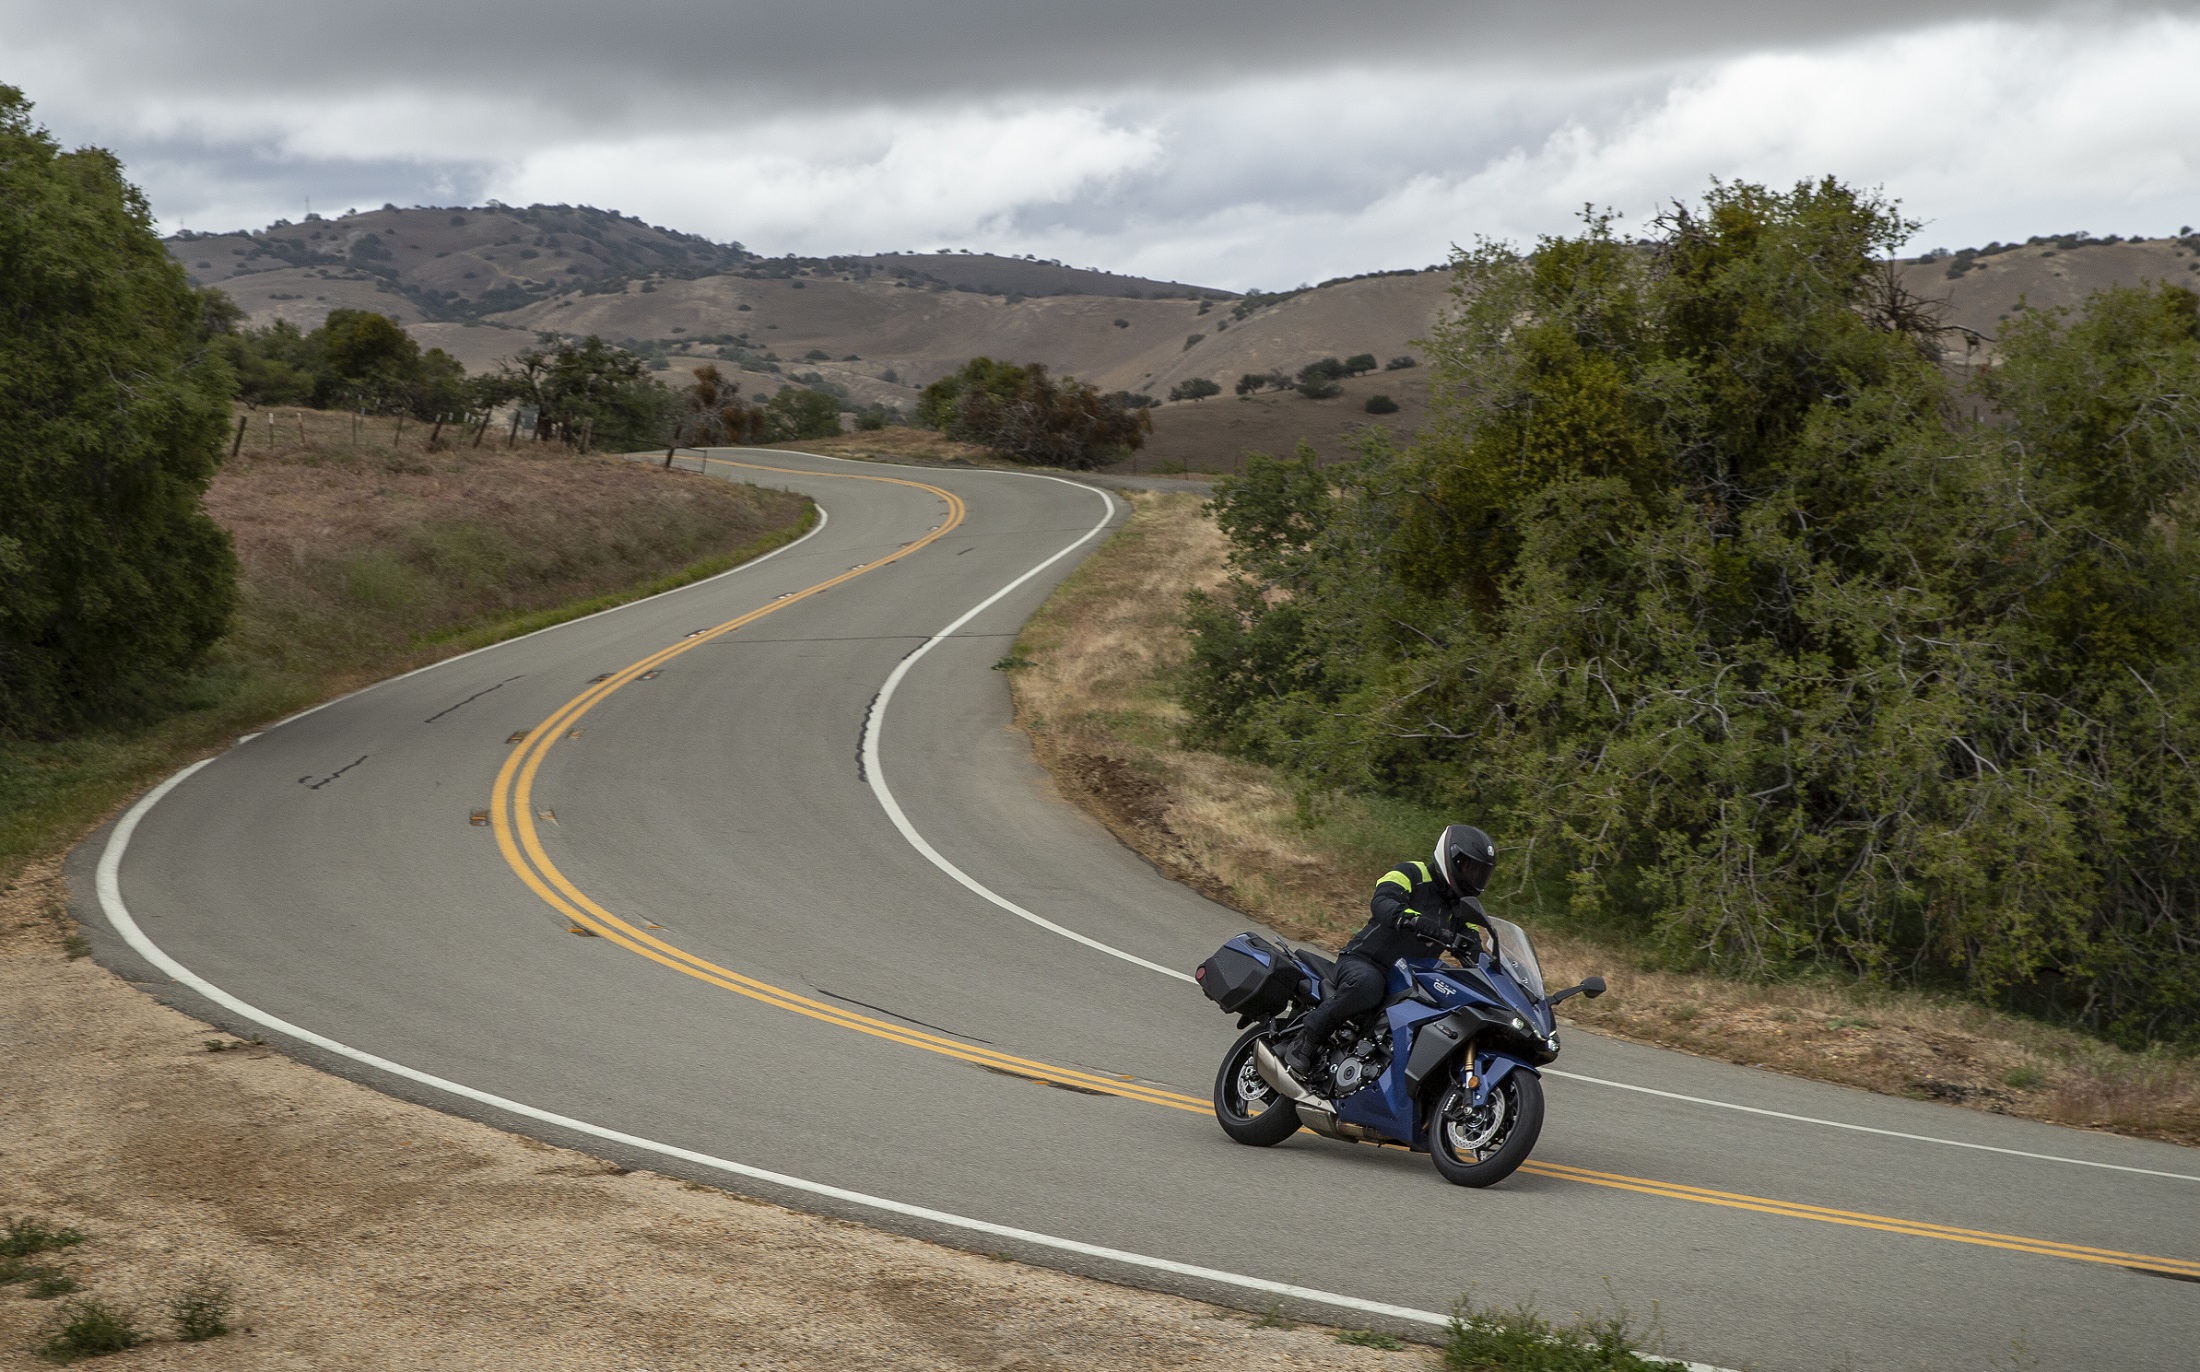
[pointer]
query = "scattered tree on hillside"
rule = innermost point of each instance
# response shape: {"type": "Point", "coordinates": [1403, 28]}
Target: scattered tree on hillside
{"type": "Point", "coordinates": [1194, 388]}
{"type": "Point", "coordinates": [1359, 364]}
{"type": "Point", "coordinates": [114, 408]}
{"type": "Point", "coordinates": [1400, 363]}
{"type": "Point", "coordinates": [800, 412]}
{"type": "Point", "coordinates": [1381, 404]}
{"type": "Point", "coordinates": [1253, 382]}
{"type": "Point", "coordinates": [1318, 380]}
{"type": "Point", "coordinates": [1027, 415]}
{"type": "Point", "coordinates": [588, 394]}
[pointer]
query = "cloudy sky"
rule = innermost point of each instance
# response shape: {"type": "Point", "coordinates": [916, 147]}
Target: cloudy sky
{"type": "Point", "coordinates": [1220, 141]}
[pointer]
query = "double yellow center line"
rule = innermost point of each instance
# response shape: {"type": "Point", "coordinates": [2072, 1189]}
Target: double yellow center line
{"type": "Point", "coordinates": [512, 819]}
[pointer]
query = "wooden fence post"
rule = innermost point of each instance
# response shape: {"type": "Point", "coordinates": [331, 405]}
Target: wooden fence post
{"type": "Point", "coordinates": [242, 420]}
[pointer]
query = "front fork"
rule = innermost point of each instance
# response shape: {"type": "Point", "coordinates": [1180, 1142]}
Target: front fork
{"type": "Point", "coordinates": [1489, 1069]}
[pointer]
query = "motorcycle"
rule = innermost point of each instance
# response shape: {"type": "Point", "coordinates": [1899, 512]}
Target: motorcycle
{"type": "Point", "coordinates": [1447, 1065]}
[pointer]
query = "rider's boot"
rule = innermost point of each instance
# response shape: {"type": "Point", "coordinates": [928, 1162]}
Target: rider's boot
{"type": "Point", "coordinates": [1298, 1055]}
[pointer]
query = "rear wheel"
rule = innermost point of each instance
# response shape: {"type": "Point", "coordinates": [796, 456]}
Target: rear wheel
{"type": "Point", "coordinates": [1246, 1106]}
{"type": "Point", "coordinates": [1482, 1147]}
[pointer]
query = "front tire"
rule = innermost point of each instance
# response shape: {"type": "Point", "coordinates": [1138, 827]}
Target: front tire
{"type": "Point", "coordinates": [1246, 1106]}
{"type": "Point", "coordinates": [1483, 1147]}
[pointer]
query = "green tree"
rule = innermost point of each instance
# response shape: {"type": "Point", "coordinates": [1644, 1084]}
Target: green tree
{"type": "Point", "coordinates": [585, 393]}
{"type": "Point", "coordinates": [273, 366]}
{"type": "Point", "coordinates": [1700, 584]}
{"type": "Point", "coordinates": [1194, 388]}
{"type": "Point", "coordinates": [1359, 364]}
{"type": "Point", "coordinates": [363, 358]}
{"type": "Point", "coordinates": [1028, 415]}
{"type": "Point", "coordinates": [114, 404]}
{"type": "Point", "coordinates": [796, 412]}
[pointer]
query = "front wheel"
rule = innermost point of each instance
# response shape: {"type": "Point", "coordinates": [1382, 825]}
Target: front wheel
{"type": "Point", "coordinates": [1482, 1147]}
{"type": "Point", "coordinates": [1246, 1106]}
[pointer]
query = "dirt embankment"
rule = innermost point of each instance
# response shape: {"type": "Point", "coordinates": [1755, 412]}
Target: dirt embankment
{"type": "Point", "coordinates": [1099, 703]}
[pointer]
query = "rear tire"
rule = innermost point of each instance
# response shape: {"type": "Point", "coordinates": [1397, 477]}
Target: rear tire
{"type": "Point", "coordinates": [1246, 1106]}
{"type": "Point", "coordinates": [1482, 1148]}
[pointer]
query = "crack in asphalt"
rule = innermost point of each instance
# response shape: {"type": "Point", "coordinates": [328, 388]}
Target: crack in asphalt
{"type": "Point", "coordinates": [472, 698]}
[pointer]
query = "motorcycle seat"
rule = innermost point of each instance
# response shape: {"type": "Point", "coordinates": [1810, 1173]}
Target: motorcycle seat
{"type": "Point", "coordinates": [1320, 966]}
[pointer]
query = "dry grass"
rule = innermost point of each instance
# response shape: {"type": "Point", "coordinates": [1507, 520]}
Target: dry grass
{"type": "Point", "coordinates": [903, 444]}
{"type": "Point", "coordinates": [363, 556]}
{"type": "Point", "coordinates": [1099, 705]}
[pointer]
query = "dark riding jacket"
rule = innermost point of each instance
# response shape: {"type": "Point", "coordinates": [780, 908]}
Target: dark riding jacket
{"type": "Point", "coordinates": [1407, 892]}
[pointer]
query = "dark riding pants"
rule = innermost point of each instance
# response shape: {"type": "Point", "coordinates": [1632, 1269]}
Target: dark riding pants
{"type": "Point", "coordinates": [1356, 989]}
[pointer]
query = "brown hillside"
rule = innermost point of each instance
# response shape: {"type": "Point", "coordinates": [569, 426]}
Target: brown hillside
{"type": "Point", "coordinates": [1986, 290]}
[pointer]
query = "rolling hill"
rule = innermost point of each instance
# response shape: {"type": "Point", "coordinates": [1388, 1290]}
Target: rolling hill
{"type": "Point", "coordinates": [481, 282]}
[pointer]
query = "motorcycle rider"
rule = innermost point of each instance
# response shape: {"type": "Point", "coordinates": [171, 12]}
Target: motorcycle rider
{"type": "Point", "coordinates": [1419, 909]}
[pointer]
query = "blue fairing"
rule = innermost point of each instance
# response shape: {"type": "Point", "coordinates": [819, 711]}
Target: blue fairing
{"type": "Point", "coordinates": [1422, 990]}
{"type": "Point", "coordinates": [1384, 1105]}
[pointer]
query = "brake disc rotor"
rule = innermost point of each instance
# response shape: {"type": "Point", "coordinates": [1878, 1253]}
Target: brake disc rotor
{"type": "Point", "coordinates": [1252, 1087]}
{"type": "Point", "coordinates": [1470, 1131]}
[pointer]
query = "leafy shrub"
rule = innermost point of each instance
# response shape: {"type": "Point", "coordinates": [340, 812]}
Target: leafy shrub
{"type": "Point", "coordinates": [1381, 404]}
{"type": "Point", "coordinates": [1027, 415]}
{"type": "Point", "coordinates": [25, 1235]}
{"type": "Point", "coordinates": [1194, 388]}
{"type": "Point", "coordinates": [89, 1329]}
{"type": "Point", "coordinates": [1523, 1341]}
{"type": "Point", "coordinates": [1190, 339]}
{"type": "Point", "coordinates": [1400, 363]}
{"type": "Point", "coordinates": [203, 1307]}
{"type": "Point", "coordinates": [1758, 646]}
{"type": "Point", "coordinates": [1359, 364]}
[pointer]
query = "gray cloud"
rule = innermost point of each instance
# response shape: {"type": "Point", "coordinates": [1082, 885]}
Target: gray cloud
{"type": "Point", "coordinates": [1233, 143]}
{"type": "Point", "coordinates": [607, 62]}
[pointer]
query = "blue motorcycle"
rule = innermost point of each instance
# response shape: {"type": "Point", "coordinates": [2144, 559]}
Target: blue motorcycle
{"type": "Point", "coordinates": [1447, 1065]}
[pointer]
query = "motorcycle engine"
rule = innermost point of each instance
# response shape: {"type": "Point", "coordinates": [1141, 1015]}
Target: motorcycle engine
{"type": "Point", "coordinates": [1356, 1066]}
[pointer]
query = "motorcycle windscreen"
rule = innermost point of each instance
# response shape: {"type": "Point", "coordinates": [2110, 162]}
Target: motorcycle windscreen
{"type": "Point", "coordinates": [1516, 954]}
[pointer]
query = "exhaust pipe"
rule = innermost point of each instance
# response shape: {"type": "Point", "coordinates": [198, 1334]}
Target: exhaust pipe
{"type": "Point", "coordinates": [1279, 1076]}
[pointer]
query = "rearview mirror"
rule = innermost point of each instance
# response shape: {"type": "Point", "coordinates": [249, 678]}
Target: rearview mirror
{"type": "Point", "coordinates": [1592, 987]}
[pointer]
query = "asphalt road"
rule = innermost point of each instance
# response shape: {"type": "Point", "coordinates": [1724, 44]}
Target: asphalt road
{"type": "Point", "coordinates": [777, 988]}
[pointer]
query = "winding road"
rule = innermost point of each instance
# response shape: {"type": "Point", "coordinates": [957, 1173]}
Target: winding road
{"type": "Point", "coordinates": [753, 882]}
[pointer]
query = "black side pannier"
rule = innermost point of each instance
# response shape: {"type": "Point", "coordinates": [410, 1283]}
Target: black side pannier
{"type": "Point", "coordinates": [1250, 976]}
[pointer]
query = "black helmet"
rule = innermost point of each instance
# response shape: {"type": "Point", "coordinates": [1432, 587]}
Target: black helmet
{"type": "Point", "coordinates": [1465, 855]}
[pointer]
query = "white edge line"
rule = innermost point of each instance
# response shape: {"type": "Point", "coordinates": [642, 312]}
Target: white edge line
{"type": "Point", "coordinates": [109, 886]}
{"type": "Point", "coordinates": [815, 529]}
{"type": "Point", "coordinates": [876, 773]}
{"type": "Point", "coordinates": [1866, 1128]}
